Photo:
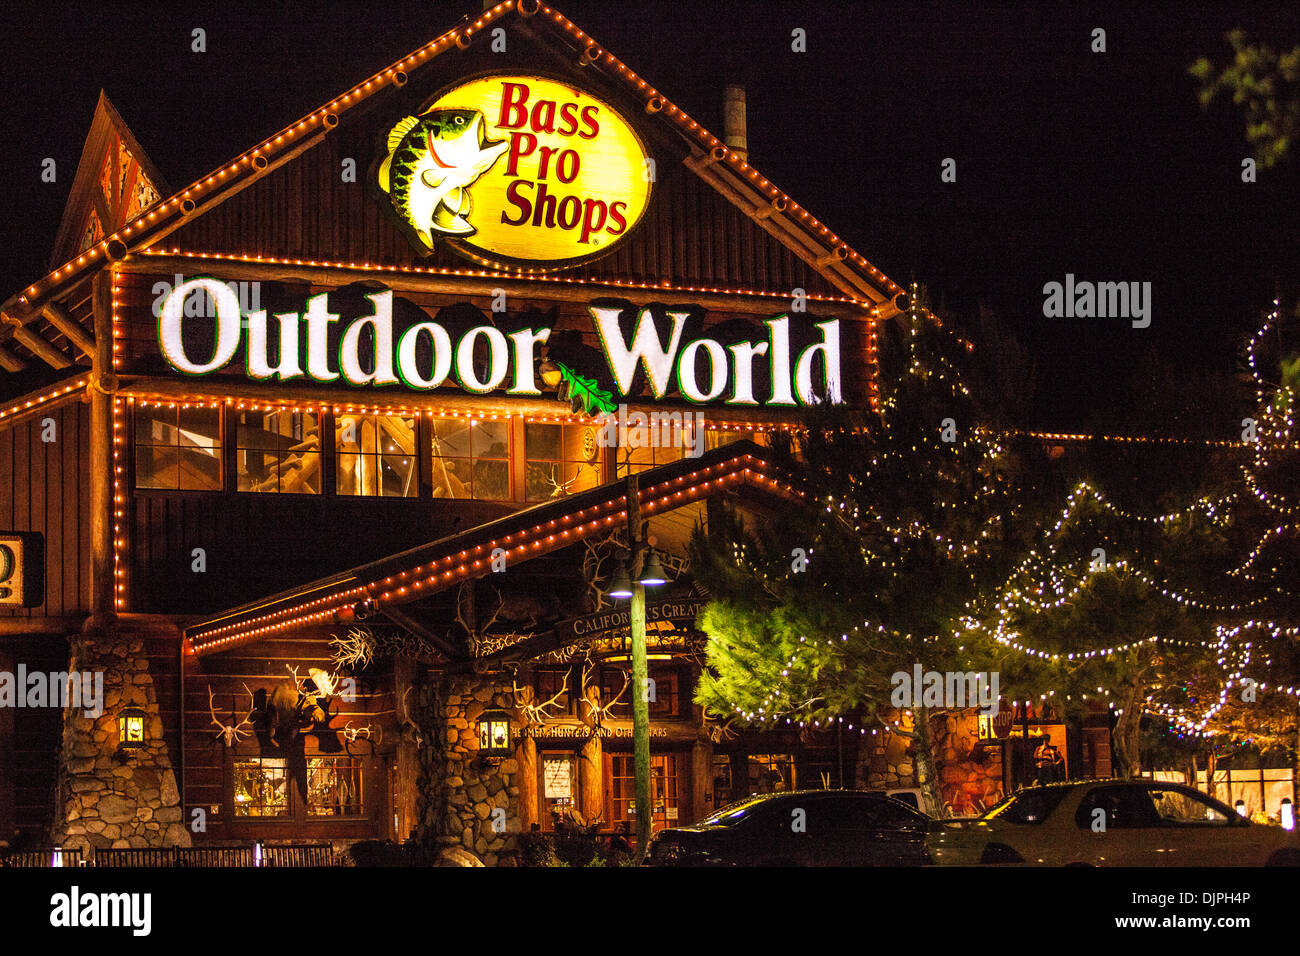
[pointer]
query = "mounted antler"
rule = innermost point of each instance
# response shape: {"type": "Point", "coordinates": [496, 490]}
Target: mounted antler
{"type": "Point", "coordinates": [410, 729]}
{"type": "Point", "coordinates": [476, 634]}
{"type": "Point", "coordinates": [602, 712]}
{"type": "Point", "coordinates": [535, 713]}
{"type": "Point", "coordinates": [372, 732]}
{"type": "Point", "coordinates": [355, 649]}
{"type": "Point", "coordinates": [227, 732]}
{"type": "Point", "coordinates": [717, 730]}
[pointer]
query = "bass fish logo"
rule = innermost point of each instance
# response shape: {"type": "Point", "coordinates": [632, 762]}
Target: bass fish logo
{"type": "Point", "coordinates": [432, 161]}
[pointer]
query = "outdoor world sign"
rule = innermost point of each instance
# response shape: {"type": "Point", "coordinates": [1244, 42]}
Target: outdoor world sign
{"type": "Point", "coordinates": [373, 350]}
{"type": "Point", "coordinates": [516, 170]}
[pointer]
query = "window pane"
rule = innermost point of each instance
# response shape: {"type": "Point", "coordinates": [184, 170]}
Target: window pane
{"type": "Point", "coordinates": [278, 452]}
{"type": "Point", "coordinates": [178, 449]}
{"type": "Point", "coordinates": [542, 442]}
{"type": "Point", "coordinates": [261, 787]}
{"type": "Point", "coordinates": [333, 787]}
{"type": "Point", "coordinates": [491, 440]}
{"type": "Point", "coordinates": [492, 480]}
{"type": "Point", "coordinates": [375, 455]}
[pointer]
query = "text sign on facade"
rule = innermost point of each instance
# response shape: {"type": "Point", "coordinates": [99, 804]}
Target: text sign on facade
{"type": "Point", "coordinates": [22, 569]}
{"type": "Point", "coordinates": [516, 170]}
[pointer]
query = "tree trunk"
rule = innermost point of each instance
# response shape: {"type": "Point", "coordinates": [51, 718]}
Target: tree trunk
{"type": "Point", "coordinates": [927, 775]}
{"type": "Point", "coordinates": [1126, 737]}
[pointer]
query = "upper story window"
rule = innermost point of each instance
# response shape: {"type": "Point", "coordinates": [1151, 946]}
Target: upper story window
{"type": "Point", "coordinates": [278, 452]}
{"type": "Point", "coordinates": [178, 449]}
{"type": "Point", "coordinates": [376, 455]}
{"type": "Point", "coordinates": [561, 460]}
{"type": "Point", "coordinates": [471, 459]}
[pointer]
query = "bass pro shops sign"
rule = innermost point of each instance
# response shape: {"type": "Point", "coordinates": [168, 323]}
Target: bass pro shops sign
{"type": "Point", "coordinates": [517, 171]}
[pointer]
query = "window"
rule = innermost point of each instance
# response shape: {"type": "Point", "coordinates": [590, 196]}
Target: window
{"type": "Point", "coordinates": [376, 455]}
{"type": "Point", "coordinates": [333, 787]}
{"type": "Point", "coordinates": [1183, 808]}
{"type": "Point", "coordinates": [471, 459]}
{"type": "Point", "coordinates": [262, 787]}
{"type": "Point", "coordinates": [664, 790]}
{"type": "Point", "coordinates": [550, 682]}
{"type": "Point", "coordinates": [1126, 808]}
{"type": "Point", "coordinates": [561, 460]}
{"type": "Point", "coordinates": [771, 773]}
{"type": "Point", "coordinates": [559, 786]}
{"type": "Point", "coordinates": [1030, 806]}
{"type": "Point", "coordinates": [178, 448]}
{"type": "Point", "coordinates": [278, 452]}
{"type": "Point", "coordinates": [631, 461]}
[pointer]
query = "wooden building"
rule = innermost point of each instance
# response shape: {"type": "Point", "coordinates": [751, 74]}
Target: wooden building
{"type": "Point", "coordinates": [312, 446]}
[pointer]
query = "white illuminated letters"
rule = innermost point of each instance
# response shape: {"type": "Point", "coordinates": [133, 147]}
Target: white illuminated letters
{"type": "Point", "coordinates": [372, 353]}
{"type": "Point", "coordinates": [228, 329]}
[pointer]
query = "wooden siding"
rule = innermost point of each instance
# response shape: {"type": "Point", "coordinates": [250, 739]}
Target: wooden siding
{"type": "Point", "coordinates": [45, 487]}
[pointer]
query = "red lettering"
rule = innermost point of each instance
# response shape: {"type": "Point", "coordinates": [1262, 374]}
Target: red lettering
{"type": "Point", "coordinates": [544, 160]}
{"type": "Point", "coordinates": [567, 171]}
{"type": "Point", "coordinates": [519, 202]}
{"type": "Point", "coordinates": [616, 214]}
{"type": "Point", "coordinates": [547, 202]}
{"type": "Point", "coordinates": [589, 223]}
{"type": "Point", "coordinates": [573, 205]}
{"type": "Point", "coordinates": [517, 152]}
{"type": "Point", "coordinates": [589, 121]}
{"type": "Point", "coordinates": [513, 114]}
{"type": "Point", "coordinates": [544, 117]}
{"type": "Point", "coordinates": [568, 119]}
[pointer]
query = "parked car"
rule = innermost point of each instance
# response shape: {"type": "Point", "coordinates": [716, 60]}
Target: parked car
{"type": "Point", "coordinates": [801, 828]}
{"type": "Point", "coordinates": [1113, 823]}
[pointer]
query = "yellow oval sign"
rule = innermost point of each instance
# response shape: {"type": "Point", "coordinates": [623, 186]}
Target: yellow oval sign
{"type": "Point", "coordinates": [521, 171]}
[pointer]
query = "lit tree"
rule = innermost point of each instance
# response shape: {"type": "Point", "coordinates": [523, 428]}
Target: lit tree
{"type": "Point", "coordinates": [1265, 84]}
{"type": "Point", "coordinates": [907, 515]}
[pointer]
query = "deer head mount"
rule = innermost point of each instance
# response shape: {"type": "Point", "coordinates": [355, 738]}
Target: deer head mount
{"type": "Point", "coordinates": [232, 733]}
{"type": "Point", "coordinates": [372, 732]}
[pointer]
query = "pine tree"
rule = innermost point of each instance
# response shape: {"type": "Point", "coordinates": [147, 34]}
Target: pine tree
{"type": "Point", "coordinates": [907, 515]}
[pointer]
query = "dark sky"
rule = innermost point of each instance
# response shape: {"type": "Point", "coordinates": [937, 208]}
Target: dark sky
{"type": "Point", "coordinates": [1102, 165]}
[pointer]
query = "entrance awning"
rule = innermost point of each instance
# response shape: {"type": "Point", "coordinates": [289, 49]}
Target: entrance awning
{"type": "Point", "coordinates": [415, 574]}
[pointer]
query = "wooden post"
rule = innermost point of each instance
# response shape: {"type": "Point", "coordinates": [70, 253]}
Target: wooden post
{"type": "Point", "coordinates": [529, 801]}
{"type": "Point", "coordinates": [640, 674]}
{"type": "Point", "coordinates": [590, 789]}
{"type": "Point", "coordinates": [408, 755]}
{"type": "Point", "coordinates": [701, 783]}
{"type": "Point", "coordinates": [101, 454]}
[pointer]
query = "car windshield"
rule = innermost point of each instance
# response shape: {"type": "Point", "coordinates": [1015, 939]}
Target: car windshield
{"type": "Point", "coordinates": [734, 813]}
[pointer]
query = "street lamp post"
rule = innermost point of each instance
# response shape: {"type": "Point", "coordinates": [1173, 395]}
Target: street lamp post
{"type": "Point", "coordinates": [645, 572]}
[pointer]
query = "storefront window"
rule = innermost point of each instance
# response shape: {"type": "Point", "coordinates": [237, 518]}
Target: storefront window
{"type": "Point", "coordinates": [278, 452]}
{"type": "Point", "coordinates": [665, 789]}
{"type": "Point", "coordinates": [561, 460]}
{"type": "Point", "coordinates": [178, 448]}
{"type": "Point", "coordinates": [559, 786]}
{"type": "Point", "coordinates": [376, 455]}
{"type": "Point", "coordinates": [333, 787]}
{"type": "Point", "coordinates": [262, 787]}
{"type": "Point", "coordinates": [554, 683]}
{"type": "Point", "coordinates": [631, 461]}
{"type": "Point", "coordinates": [471, 459]}
{"type": "Point", "coordinates": [771, 773]}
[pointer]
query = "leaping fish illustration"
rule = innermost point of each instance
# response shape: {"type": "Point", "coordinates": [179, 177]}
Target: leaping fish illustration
{"type": "Point", "coordinates": [432, 159]}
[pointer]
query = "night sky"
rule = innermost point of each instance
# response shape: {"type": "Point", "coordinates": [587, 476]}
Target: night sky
{"type": "Point", "coordinates": [1103, 165]}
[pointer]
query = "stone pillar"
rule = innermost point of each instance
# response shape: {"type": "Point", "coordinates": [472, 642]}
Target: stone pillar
{"type": "Point", "coordinates": [103, 799]}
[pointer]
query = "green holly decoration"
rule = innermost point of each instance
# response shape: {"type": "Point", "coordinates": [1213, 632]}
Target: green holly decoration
{"type": "Point", "coordinates": [584, 393]}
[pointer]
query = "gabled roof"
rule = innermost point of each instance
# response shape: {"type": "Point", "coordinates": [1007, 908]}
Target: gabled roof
{"type": "Point", "coordinates": [425, 570]}
{"type": "Point", "coordinates": [115, 182]}
{"type": "Point", "coordinates": [710, 159]}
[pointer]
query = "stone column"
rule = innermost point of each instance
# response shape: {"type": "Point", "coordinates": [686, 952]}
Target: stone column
{"type": "Point", "coordinates": [104, 799]}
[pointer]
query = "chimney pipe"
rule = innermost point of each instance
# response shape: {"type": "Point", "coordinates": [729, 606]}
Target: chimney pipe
{"type": "Point", "coordinates": [734, 127]}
